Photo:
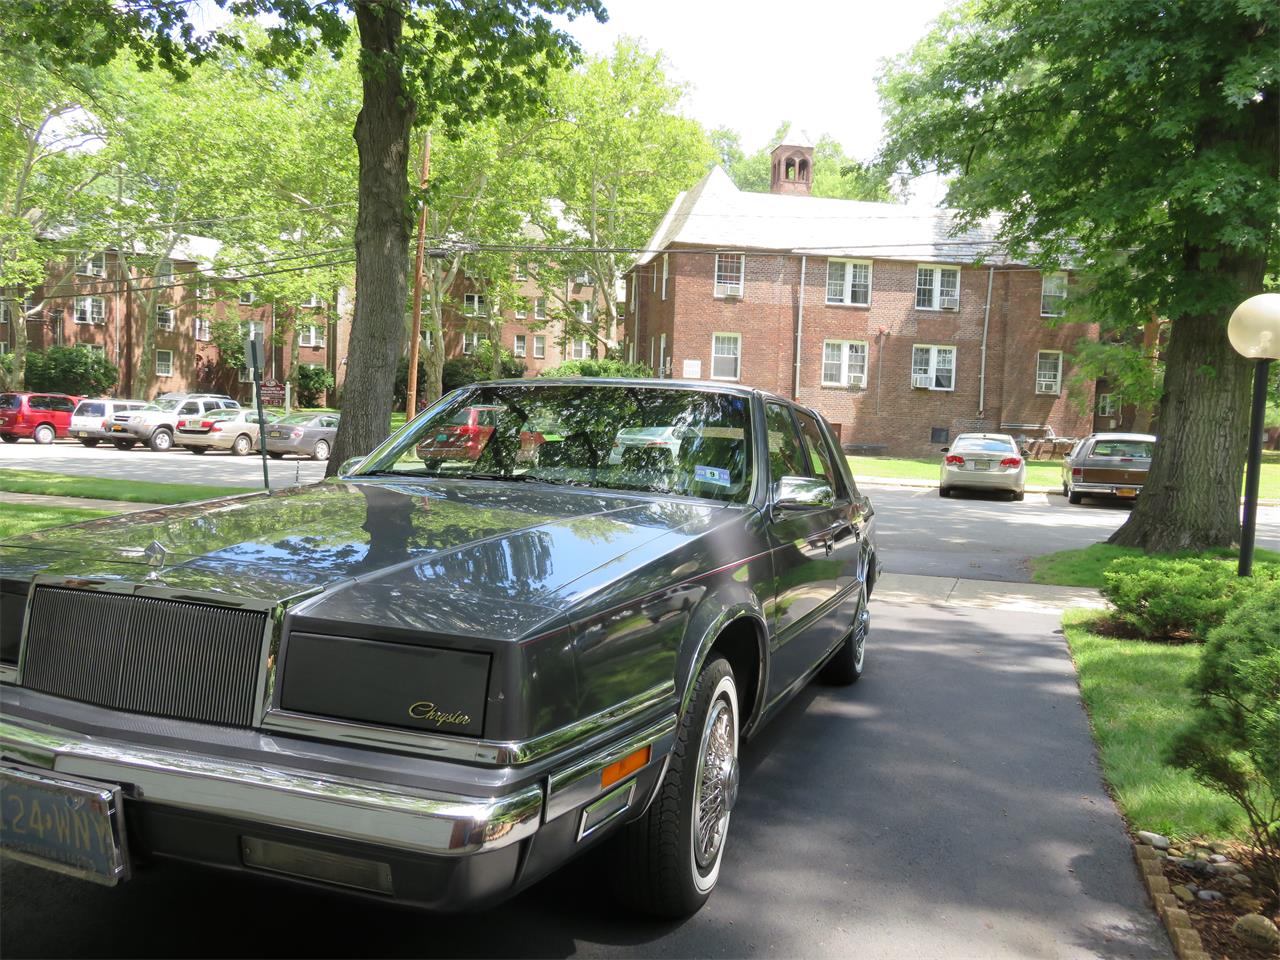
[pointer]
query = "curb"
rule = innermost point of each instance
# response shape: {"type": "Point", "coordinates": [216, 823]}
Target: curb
{"type": "Point", "coordinates": [1177, 922]}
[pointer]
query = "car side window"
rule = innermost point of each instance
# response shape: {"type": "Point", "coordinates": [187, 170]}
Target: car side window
{"type": "Point", "coordinates": [191, 407]}
{"type": "Point", "coordinates": [38, 403]}
{"type": "Point", "coordinates": [786, 454]}
{"type": "Point", "coordinates": [329, 422]}
{"type": "Point", "coordinates": [817, 452]}
{"type": "Point", "coordinates": [63, 405]}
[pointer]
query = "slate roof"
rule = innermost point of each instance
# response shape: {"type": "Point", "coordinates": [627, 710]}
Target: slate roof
{"type": "Point", "coordinates": [715, 213]}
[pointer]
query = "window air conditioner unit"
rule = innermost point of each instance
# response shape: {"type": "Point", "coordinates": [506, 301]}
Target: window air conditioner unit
{"type": "Point", "coordinates": [921, 381]}
{"type": "Point", "coordinates": [1046, 386]}
{"type": "Point", "coordinates": [950, 303]}
{"type": "Point", "coordinates": [728, 290]}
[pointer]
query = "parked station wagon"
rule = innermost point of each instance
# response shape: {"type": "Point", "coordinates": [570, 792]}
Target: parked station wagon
{"type": "Point", "coordinates": [437, 680]}
{"type": "Point", "coordinates": [1110, 465]}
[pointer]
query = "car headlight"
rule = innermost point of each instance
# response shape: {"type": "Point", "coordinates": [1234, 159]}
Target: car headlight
{"type": "Point", "coordinates": [135, 419]}
{"type": "Point", "coordinates": [430, 689]}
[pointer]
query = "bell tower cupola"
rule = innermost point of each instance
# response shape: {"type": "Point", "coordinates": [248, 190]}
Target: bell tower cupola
{"type": "Point", "coordinates": [792, 169]}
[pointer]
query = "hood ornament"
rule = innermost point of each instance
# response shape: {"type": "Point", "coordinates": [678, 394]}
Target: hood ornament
{"type": "Point", "coordinates": [155, 553]}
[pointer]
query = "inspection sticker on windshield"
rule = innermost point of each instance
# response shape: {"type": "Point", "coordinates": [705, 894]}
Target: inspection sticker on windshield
{"type": "Point", "coordinates": [717, 475]}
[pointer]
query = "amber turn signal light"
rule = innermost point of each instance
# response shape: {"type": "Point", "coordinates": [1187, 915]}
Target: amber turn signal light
{"type": "Point", "coordinates": [627, 765]}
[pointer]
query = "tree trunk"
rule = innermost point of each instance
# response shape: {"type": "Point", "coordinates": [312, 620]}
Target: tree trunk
{"type": "Point", "coordinates": [1191, 499]}
{"type": "Point", "coordinates": [382, 234]}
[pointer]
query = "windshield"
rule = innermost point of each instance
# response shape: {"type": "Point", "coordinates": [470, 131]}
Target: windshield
{"type": "Point", "coordinates": [167, 403]}
{"type": "Point", "coordinates": [10, 401]}
{"type": "Point", "coordinates": [90, 408]}
{"type": "Point", "coordinates": [1139, 449]}
{"type": "Point", "coordinates": [978, 445]}
{"type": "Point", "coordinates": [694, 443]}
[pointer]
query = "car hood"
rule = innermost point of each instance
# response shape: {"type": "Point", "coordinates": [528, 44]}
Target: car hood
{"type": "Point", "coordinates": [467, 556]}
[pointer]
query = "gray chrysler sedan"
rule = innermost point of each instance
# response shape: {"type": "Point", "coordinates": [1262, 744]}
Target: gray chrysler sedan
{"type": "Point", "coordinates": [435, 680]}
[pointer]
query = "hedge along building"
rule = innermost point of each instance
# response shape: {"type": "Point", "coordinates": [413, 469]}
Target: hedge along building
{"type": "Point", "coordinates": [98, 301]}
{"type": "Point", "coordinates": [899, 333]}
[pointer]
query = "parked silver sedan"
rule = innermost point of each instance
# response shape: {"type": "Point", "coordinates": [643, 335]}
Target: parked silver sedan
{"type": "Point", "coordinates": [234, 430]}
{"type": "Point", "coordinates": [983, 461]}
{"type": "Point", "coordinates": [305, 434]}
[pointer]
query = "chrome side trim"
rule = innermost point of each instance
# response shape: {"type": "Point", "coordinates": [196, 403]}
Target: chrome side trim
{"type": "Point", "coordinates": [385, 814]}
{"type": "Point", "coordinates": [470, 749]}
{"type": "Point", "coordinates": [580, 783]}
{"type": "Point", "coordinates": [585, 831]}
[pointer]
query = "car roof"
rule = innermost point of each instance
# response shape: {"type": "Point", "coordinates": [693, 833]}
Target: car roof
{"type": "Point", "coordinates": [1121, 436]}
{"type": "Point", "coordinates": [982, 436]}
{"type": "Point", "coordinates": [701, 386]}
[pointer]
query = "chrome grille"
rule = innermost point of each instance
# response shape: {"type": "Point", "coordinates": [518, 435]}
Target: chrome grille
{"type": "Point", "coordinates": [169, 658]}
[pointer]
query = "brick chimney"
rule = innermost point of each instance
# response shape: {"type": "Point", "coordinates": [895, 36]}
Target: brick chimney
{"type": "Point", "coordinates": [792, 171]}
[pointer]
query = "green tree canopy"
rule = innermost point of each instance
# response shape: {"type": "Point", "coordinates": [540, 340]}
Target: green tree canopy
{"type": "Point", "coordinates": [1136, 141]}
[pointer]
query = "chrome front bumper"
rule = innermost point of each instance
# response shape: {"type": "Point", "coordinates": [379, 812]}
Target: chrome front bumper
{"type": "Point", "coordinates": [1105, 489]}
{"type": "Point", "coordinates": [411, 820]}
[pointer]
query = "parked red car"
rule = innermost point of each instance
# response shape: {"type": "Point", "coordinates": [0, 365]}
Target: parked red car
{"type": "Point", "coordinates": [40, 416]}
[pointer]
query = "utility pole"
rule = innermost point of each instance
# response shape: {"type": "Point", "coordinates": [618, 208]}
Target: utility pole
{"type": "Point", "coordinates": [415, 336]}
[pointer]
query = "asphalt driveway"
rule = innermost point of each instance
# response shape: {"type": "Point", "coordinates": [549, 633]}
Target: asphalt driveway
{"type": "Point", "coordinates": [949, 805]}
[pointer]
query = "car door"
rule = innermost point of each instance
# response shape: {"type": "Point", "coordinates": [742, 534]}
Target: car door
{"type": "Point", "coordinates": [801, 542]}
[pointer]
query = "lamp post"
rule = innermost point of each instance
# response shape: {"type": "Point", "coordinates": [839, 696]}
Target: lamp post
{"type": "Point", "coordinates": [1254, 332]}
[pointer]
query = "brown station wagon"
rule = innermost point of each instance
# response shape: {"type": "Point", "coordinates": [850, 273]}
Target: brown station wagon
{"type": "Point", "coordinates": [1112, 465]}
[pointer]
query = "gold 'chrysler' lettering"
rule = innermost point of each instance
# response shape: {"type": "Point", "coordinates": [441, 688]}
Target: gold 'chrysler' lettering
{"type": "Point", "coordinates": [426, 710]}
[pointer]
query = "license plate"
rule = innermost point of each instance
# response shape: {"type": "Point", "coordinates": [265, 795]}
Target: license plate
{"type": "Point", "coordinates": [82, 433]}
{"type": "Point", "coordinates": [1126, 492]}
{"type": "Point", "coordinates": [62, 823]}
{"type": "Point", "coordinates": [982, 464]}
{"type": "Point", "coordinates": [117, 429]}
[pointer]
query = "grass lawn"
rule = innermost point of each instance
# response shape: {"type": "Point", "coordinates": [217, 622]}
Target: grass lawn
{"type": "Point", "coordinates": [18, 518]}
{"type": "Point", "coordinates": [100, 488]}
{"type": "Point", "coordinates": [1136, 696]}
{"type": "Point", "coordinates": [1084, 568]}
{"type": "Point", "coordinates": [1046, 473]}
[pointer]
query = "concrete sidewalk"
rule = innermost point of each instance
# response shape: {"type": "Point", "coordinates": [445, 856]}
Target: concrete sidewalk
{"type": "Point", "coordinates": [984, 594]}
{"type": "Point", "coordinates": [40, 500]}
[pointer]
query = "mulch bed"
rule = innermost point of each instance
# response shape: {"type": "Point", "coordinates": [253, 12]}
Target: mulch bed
{"type": "Point", "coordinates": [1213, 919]}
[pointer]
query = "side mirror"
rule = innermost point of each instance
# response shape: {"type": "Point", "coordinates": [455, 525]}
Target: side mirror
{"type": "Point", "coordinates": [1026, 454]}
{"type": "Point", "coordinates": [946, 449]}
{"type": "Point", "coordinates": [348, 465]}
{"type": "Point", "coordinates": [803, 493]}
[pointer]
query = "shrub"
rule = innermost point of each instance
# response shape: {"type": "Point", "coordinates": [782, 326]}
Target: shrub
{"type": "Point", "coordinates": [74, 370]}
{"type": "Point", "coordinates": [597, 368]}
{"type": "Point", "coordinates": [313, 382]}
{"type": "Point", "coordinates": [1182, 598]}
{"type": "Point", "coordinates": [471, 368]}
{"type": "Point", "coordinates": [1232, 742]}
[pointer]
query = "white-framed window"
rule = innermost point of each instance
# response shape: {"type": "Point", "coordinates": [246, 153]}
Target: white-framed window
{"type": "Point", "coordinates": [844, 363]}
{"type": "Point", "coordinates": [522, 271]}
{"type": "Point", "coordinates": [1107, 406]}
{"type": "Point", "coordinates": [586, 311]}
{"type": "Point", "coordinates": [635, 291]}
{"type": "Point", "coordinates": [540, 308]}
{"type": "Point", "coordinates": [1053, 294]}
{"type": "Point", "coordinates": [9, 309]}
{"type": "Point", "coordinates": [475, 305]}
{"type": "Point", "coordinates": [583, 279]}
{"type": "Point", "coordinates": [311, 335]}
{"type": "Point", "coordinates": [849, 281]}
{"type": "Point", "coordinates": [4, 348]}
{"type": "Point", "coordinates": [246, 297]}
{"type": "Point", "coordinates": [730, 268]}
{"type": "Point", "coordinates": [579, 348]}
{"type": "Point", "coordinates": [204, 291]}
{"type": "Point", "coordinates": [428, 338]}
{"type": "Point", "coordinates": [933, 367]}
{"type": "Point", "coordinates": [518, 345]}
{"type": "Point", "coordinates": [164, 317]}
{"type": "Point", "coordinates": [521, 308]}
{"type": "Point", "coordinates": [246, 374]}
{"type": "Point", "coordinates": [164, 363]}
{"type": "Point", "coordinates": [164, 269]}
{"type": "Point", "coordinates": [313, 300]}
{"type": "Point", "coordinates": [664, 276]}
{"type": "Point", "coordinates": [97, 348]}
{"type": "Point", "coordinates": [1049, 371]}
{"type": "Point", "coordinates": [91, 310]}
{"type": "Point", "coordinates": [94, 265]}
{"type": "Point", "coordinates": [726, 354]}
{"type": "Point", "coordinates": [470, 340]}
{"type": "Point", "coordinates": [937, 288]}
{"type": "Point", "coordinates": [253, 329]}
{"type": "Point", "coordinates": [203, 329]}
{"type": "Point", "coordinates": [539, 346]}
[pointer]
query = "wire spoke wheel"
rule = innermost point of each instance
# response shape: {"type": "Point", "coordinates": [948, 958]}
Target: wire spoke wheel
{"type": "Point", "coordinates": [715, 784]}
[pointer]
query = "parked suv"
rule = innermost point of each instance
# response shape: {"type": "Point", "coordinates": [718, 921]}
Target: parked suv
{"type": "Point", "coordinates": [40, 416]}
{"type": "Point", "coordinates": [154, 424]}
{"type": "Point", "coordinates": [91, 420]}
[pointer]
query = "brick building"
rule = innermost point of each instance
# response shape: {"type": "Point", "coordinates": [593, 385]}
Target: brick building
{"type": "Point", "coordinates": [901, 334]}
{"type": "Point", "coordinates": [90, 303]}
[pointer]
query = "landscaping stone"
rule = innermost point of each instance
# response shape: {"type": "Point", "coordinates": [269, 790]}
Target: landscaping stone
{"type": "Point", "coordinates": [1210, 895]}
{"type": "Point", "coordinates": [1224, 868]}
{"type": "Point", "coordinates": [1183, 893]}
{"type": "Point", "coordinates": [1240, 880]}
{"type": "Point", "coordinates": [1219, 847]}
{"type": "Point", "coordinates": [1257, 931]}
{"type": "Point", "coordinates": [1216, 858]}
{"type": "Point", "coordinates": [1156, 840]}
